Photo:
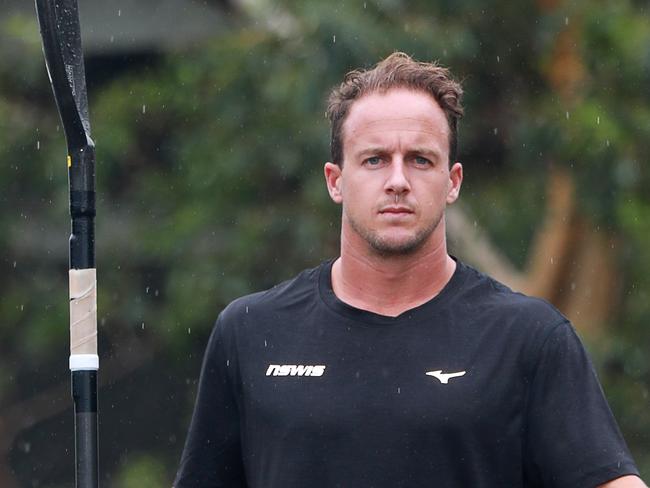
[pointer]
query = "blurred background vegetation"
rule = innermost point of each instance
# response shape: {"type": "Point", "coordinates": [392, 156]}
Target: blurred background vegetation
{"type": "Point", "coordinates": [208, 119]}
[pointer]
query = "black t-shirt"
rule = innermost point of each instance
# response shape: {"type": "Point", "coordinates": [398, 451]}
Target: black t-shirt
{"type": "Point", "coordinates": [479, 387]}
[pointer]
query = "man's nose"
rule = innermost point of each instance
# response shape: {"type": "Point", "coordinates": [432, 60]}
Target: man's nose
{"type": "Point", "coordinates": [397, 181]}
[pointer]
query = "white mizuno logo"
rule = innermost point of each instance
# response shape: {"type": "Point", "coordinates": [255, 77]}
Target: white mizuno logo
{"type": "Point", "coordinates": [444, 377]}
{"type": "Point", "coordinates": [295, 370]}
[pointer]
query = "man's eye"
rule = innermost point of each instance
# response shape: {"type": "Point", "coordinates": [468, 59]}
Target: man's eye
{"type": "Point", "coordinates": [373, 161]}
{"type": "Point", "coordinates": [420, 161]}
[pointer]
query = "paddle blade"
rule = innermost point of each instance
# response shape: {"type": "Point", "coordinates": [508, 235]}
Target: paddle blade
{"type": "Point", "coordinates": [61, 34]}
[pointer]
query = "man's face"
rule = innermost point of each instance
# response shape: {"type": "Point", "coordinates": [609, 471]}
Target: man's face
{"type": "Point", "coordinates": [395, 182]}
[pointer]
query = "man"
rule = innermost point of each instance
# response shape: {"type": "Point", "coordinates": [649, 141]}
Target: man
{"type": "Point", "coordinates": [396, 365]}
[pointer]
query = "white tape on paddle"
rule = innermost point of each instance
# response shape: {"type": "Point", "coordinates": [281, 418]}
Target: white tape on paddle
{"type": "Point", "coordinates": [83, 319]}
{"type": "Point", "coordinates": [80, 362]}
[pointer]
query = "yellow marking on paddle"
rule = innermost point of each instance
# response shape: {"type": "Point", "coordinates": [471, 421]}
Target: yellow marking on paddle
{"type": "Point", "coordinates": [69, 161]}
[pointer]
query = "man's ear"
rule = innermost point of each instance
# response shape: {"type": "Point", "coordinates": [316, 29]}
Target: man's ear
{"type": "Point", "coordinates": [333, 180]}
{"type": "Point", "coordinates": [455, 181]}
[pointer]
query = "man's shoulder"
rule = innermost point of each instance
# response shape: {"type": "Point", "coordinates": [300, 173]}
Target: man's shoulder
{"type": "Point", "coordinates": [289, 294]}
{"type": "Point", "coordinates": [489, 296]}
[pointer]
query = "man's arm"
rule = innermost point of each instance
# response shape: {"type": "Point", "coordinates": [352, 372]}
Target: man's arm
{"type": "Point", "coordinates": [212, 455]}
{"type": "Point", "coordinates": [572, 437]}
{"type": "Point", "coordinates": [625, 482]}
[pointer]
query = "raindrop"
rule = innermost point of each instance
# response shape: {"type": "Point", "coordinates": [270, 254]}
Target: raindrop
{"type": "Point", "coordinates": [144, 109]}
{"type": "Point", "coordinates": [147, 290]}
{"type": "Point", "coordinates": [14, 264]}
{"type": "Point", "coordinates": [334, 39]}
{"type": "Point", "coordinates": [607, 142]}
{"type": "Point", "coordinates": [38, 145]}
{"type": "Point", "coordinates": [496, 131]}
{"type": "Point", "coordinates": [156, 293]}
{"type": "Point", "coordinates": [112, 39]}
{"type": "Point", "coordinates": [598, 120]}
{"type": "Point", "coordinates": [567, 115]}
{"type": "Point", "coordinates": [119, 12]}
{"type": "Point", "coordinates": [189, 330]}
{"type": "Point", "coordinates": [246, 308]}
{"type": "Point", "coordinates": [364, 5]}
{"type": "Point", "coordinates": [265, 344]}
{"type": "Point", "coordinates": [498, 59]}
{"type": "Point", "coordinates": [566, 20]}
{"type": "Point", "coordinates": [399, 390]}
{"type": "Point", "coordinates": [142, 325]}
{"type": "Point", "coordinates": [227, 362]}
{"type": "Point", "coordinates": [22, 307]}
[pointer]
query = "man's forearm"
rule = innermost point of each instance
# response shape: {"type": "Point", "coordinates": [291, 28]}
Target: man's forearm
{"type": "Point", "coordinates": [625, 482]}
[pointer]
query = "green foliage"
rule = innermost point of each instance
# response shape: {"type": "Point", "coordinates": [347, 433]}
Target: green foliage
{"type": "Point", "coordinates": [142, 471]}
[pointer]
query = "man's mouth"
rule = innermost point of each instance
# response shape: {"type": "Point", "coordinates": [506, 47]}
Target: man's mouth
{"type": "Point", "coordinates": [396, 210]}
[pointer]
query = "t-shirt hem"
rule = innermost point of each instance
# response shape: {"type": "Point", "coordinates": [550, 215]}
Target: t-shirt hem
{"type": "Point", "coordinates": [602, 475]}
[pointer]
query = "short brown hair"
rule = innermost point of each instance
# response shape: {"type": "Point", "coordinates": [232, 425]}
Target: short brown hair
{"type": "Point", "coordinates": [398, 70]}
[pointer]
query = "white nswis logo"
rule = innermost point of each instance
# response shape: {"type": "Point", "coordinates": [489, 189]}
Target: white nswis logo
{"type": "Point", "coordinates": [444, 377]}
{"type": "Point", "coordinates": [295, 370]}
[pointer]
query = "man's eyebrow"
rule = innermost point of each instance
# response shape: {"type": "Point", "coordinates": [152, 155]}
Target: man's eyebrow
{"type": "Point", "coordinates": [425, 151]}
{"type": "Point", "coordinates": [371, 150]}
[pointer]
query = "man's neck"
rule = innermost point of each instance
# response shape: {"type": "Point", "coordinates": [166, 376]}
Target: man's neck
{"type": "Point", "coordinates": [391, 285]}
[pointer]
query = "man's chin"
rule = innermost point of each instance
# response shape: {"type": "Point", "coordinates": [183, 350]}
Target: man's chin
{"type": "Point", "coordinates": [394, 241]}
{"type": "Point", "coordinates": [396, 246]}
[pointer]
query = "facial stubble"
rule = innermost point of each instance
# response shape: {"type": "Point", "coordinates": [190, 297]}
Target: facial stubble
{"type": "Point", "coordinates": [386, 247]}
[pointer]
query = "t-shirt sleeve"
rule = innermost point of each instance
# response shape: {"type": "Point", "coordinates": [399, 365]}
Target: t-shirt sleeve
{"type": "Point", "coordinates": [212, 454]}
{"type": "Point", "coordinates": [571, 435]}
